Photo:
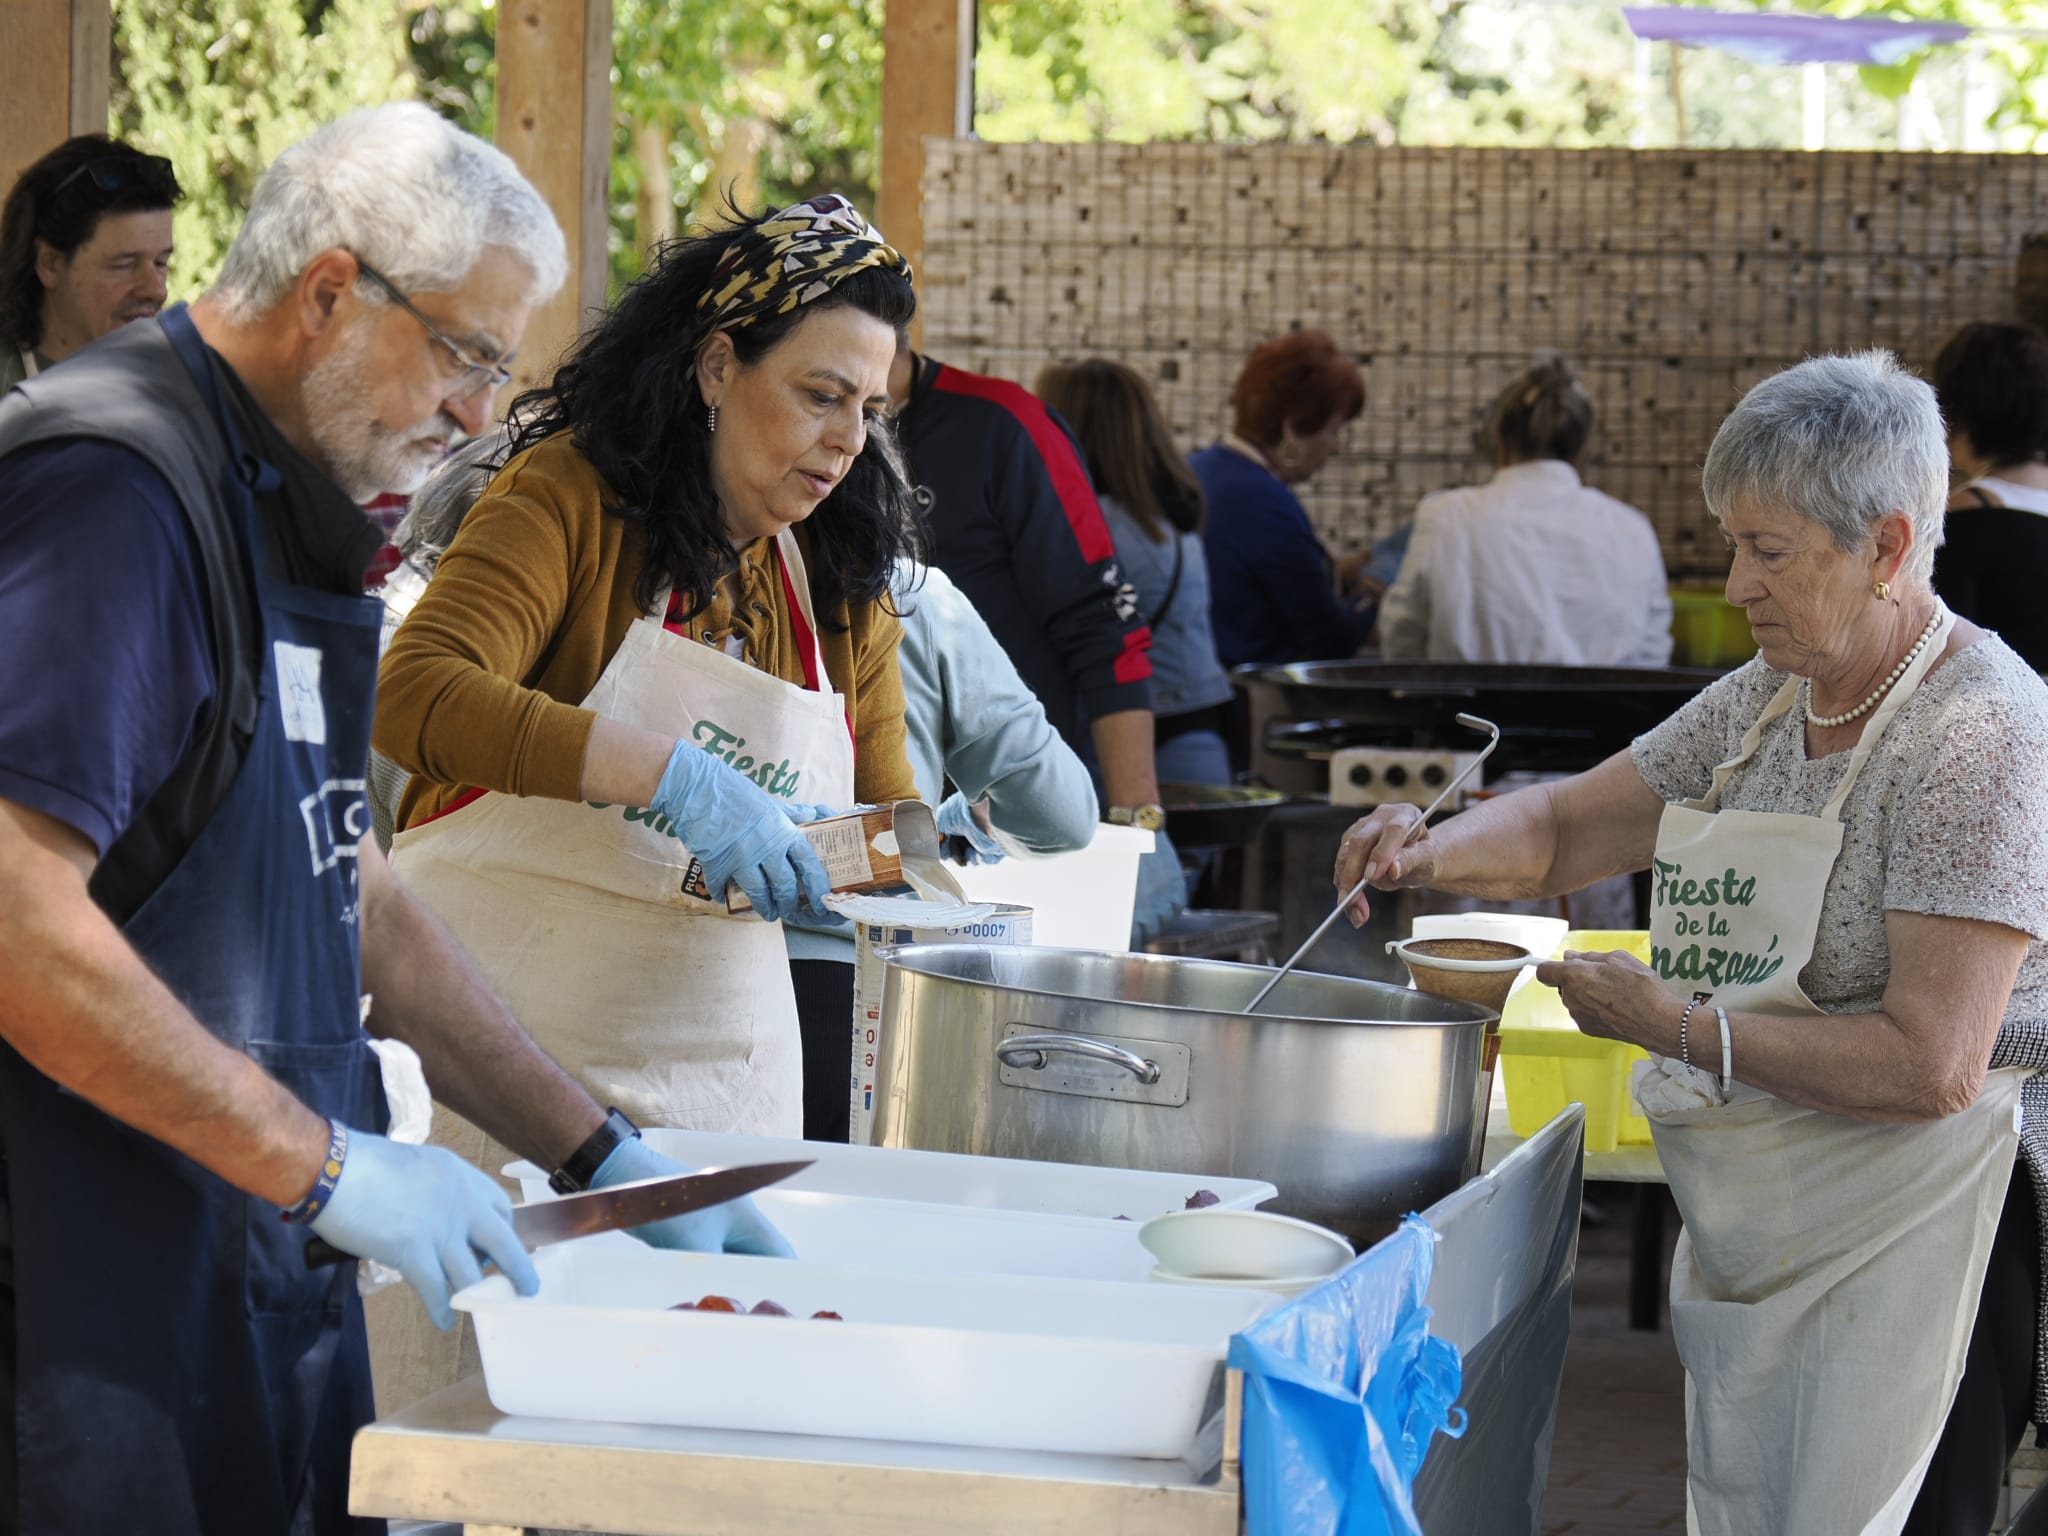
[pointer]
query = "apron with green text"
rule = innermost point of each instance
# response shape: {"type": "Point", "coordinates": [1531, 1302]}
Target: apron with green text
{"type": "Point", "coordinates": [1826, 1282]}
{"type": "Point", "coordinates": [666, 1005]}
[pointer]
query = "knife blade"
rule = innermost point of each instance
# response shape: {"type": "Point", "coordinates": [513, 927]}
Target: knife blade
{"type": "Point", "coordinates": [621, 1206]}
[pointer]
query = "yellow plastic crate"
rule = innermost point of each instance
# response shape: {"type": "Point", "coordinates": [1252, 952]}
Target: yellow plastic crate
{"type": "Point", "coordinates": [1548, 1063]}
{"type": "Point", "coordinates": [1707, 630]}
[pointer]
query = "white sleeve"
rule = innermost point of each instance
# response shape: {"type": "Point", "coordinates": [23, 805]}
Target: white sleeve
{"type": "Point", "coordinates": [1404, 611]}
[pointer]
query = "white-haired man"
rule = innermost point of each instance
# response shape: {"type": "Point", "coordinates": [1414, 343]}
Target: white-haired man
{"type": "Point", "coordinates": [190, 907]}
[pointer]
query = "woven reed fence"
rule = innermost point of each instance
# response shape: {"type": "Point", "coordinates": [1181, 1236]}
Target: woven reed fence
{"type": "Point", "coordinates": [1672, 279]}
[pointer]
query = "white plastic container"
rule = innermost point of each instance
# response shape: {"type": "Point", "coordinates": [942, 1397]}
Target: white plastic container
{"type": "Point", "coordinates": [944, 1178]}
{"type": "Point", "coordinates": [949, 1240]}
{"type": "Point", "coordinates": [1078, 900]}
{"type": "Point", "coordinates": [1036, 1365]}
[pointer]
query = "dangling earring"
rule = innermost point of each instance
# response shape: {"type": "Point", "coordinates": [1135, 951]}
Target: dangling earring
{"type": "Point", "coordinates": [711, 419]}
{"type": "Point", "coordinates": [1882, 591]}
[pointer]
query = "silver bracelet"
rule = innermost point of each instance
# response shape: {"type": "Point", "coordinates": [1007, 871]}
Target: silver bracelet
{"type": "Point", "coordinates": [1727, 1050]}
{"type": "Point", "coordinates": [1685, 1045]}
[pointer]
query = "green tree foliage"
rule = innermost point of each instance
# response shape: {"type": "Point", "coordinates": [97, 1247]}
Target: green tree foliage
{"type": "Point", "coordinates": [1474, 72]}
{"type": "Point", "coordinates": [221, 87]}
{"type": "Point", "coordinates": [775, 99]}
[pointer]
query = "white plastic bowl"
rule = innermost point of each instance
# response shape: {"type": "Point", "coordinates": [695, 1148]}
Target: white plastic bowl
{"type": "Point", "coordinates": [1254, 1248]}
{"type": "Point", "coordinates": [1293, 1285]}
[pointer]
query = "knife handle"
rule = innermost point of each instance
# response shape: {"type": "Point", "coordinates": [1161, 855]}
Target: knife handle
{"type": "Point", "coordinates": [320, 1253]}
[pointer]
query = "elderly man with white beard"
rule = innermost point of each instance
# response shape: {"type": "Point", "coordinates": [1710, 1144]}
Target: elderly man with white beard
{"type": "Point", "coordinates": [191, 910]}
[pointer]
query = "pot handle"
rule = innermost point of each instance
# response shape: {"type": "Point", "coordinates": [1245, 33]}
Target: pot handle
{"type": "Point", "coordinates": [1031, 1052]}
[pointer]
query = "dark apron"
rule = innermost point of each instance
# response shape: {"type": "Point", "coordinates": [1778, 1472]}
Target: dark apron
{"type": "Point", "coordinates": [178, 1370]}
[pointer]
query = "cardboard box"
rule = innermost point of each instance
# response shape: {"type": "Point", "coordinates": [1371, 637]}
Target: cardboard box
{"type": "Point", "coordinates": [866, 849]}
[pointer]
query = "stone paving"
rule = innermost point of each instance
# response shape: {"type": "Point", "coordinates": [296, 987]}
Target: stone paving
{"type": "Point", "coordinates": [1618, 1464]}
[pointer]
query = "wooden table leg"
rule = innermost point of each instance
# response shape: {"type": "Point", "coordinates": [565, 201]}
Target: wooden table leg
{"type": "Point", "coordinates": [1646, 1261]}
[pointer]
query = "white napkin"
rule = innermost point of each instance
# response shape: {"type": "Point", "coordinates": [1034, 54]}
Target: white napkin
{"type": "Point", "coordinates": [1665, 1086]}
{"type": "Point", "coordinates": [412, 1117]}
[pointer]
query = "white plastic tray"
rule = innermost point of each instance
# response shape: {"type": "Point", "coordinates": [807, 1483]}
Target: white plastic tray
{"type": "Point", "coordinates": [1020, 1364]}
{"type": "Point", "coordinates": [946, 1178]}
{"type": "Point", "coordinates": [954, 1240]}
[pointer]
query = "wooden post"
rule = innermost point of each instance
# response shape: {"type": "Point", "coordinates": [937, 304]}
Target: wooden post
{"type": "Point", "coordinates": [555, 121]}
{"type": "Point", "coordinates": [927, 90]}
{"type": "Point", "coordinates": [55, 58]}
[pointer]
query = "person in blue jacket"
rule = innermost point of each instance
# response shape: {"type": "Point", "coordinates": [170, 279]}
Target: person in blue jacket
{"type": "Point", "coordinates": [1275, 593]}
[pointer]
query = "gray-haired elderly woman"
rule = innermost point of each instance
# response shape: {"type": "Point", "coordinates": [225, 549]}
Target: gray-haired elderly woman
{"type": "Point", "coordinates": [1849, 990]}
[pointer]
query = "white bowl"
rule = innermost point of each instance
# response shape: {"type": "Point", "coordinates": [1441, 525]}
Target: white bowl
{"type": "Point", "coordinates": [1293, 1285]}
{"type": "Point", "coordinates": [1243, 1248]}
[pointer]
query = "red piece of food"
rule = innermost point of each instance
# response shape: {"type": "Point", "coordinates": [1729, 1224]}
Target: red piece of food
{"type": "Point", "coordinates": [719, 1304]}
{"type": "Point", "coordinates": [770, 1309]}
{"type": "Point", "coordinates": [1201, 1199]}
{"type": "Point", "coordinates": [829, 1317]}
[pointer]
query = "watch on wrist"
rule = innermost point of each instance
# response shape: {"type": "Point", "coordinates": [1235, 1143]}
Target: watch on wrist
{"type": "Point", "coordinates": [574, 1176]}
{"type": "Point", "coordinates": [1146, 818]}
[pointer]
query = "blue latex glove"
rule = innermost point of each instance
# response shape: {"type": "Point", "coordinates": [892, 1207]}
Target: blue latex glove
{"type": "Point", "coordinates": [956, 818]}
{"type": "Point", "coordinates": [427, 1214]}
{"type": "Point", "coordinates": [735, 1227]}
{"type": "Point", "coordinates": [1162, 891]}
{"type": "Point", "coordinates": [741, 834]}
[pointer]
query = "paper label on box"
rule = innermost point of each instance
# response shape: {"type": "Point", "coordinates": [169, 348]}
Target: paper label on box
{"type": "Point", "coordinates": [1004, 925]}
{"type": "Point", "coordinates": [843, 845]}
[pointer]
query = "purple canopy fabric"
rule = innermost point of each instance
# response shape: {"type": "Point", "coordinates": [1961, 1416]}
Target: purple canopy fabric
{"type": "Point", "coordinates": [1778, 38]}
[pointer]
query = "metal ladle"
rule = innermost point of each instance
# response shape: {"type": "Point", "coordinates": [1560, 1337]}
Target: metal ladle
{"type": "Point", "coordinates": [1471, 723]}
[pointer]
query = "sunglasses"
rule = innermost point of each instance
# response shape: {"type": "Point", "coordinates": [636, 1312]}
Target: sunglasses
{"type": "Point", "coordinates": [123, 173]}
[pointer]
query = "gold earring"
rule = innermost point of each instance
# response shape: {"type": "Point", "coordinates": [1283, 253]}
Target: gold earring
{"type": "Point", "coordinates": [1882, 591]}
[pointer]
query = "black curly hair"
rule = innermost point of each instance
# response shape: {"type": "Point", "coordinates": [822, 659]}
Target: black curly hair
{"type": "Point", "coordinates": [61, 200]}
{"type": "Point", "coordinates": [629, 394]}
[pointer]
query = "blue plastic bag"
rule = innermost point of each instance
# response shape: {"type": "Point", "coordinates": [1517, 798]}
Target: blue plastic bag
{"type": "Point", "coordinates": [1344, 1390]}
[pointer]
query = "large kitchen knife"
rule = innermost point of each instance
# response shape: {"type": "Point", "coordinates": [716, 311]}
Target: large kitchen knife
{"type": "Point", "coordinates": [622, 1205]}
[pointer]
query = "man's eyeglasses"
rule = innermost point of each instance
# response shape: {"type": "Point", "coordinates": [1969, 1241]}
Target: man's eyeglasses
{"type": "Point", "coordinates": [124, 173]}
{"type": "Point", "coordinates": [477, 376]}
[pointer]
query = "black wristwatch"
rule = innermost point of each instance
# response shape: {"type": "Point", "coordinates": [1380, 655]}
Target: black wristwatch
{"type": "Point", "coordinates": [574, 1176]}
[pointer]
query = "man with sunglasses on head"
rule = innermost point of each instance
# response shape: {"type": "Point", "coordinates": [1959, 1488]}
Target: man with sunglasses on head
{"type": "Point", "coordinates": [191, 906]}
{"type": "Point", "coordinates": [85, 247]}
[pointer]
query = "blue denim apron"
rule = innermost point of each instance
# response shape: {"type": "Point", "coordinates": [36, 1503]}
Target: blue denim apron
{"type": "Point", "coordinates": [178, 1369]}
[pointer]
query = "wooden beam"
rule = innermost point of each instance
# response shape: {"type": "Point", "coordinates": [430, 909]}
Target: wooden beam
{"type": "Point", "coordinates": [555, 121]}
{"type": "Point", "coordinates": [55, 58]}
{"type": "Point", "coordinates": [927, 91]}
{"type": "Point", "coordinates": [92, 64]}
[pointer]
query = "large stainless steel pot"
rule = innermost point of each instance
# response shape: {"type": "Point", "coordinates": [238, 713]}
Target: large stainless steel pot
{"type": "Point", "coordinates": [1361, 1101]}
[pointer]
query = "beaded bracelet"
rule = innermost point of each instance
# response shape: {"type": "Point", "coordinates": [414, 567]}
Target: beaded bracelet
{"type": "Point", "coordinates": [329, 1175]}
{"type": "Point", "coordinates": [1685, 1045]}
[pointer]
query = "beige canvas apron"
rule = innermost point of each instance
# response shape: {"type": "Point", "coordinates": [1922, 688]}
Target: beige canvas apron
{"type": "Point", "coordinates": [1827, 1278]}
{"type": "Point", "coordinates": [661, 1004]}
{"type": "Point", "coordinates": [665, 1005]}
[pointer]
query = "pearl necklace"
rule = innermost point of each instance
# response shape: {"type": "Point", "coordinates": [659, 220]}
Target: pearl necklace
{"type": "Point", "coordinates": [1905, 661]}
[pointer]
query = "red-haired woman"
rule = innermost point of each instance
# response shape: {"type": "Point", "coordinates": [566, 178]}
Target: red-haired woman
{"type": "Point", "coordinates": [1273, 596]}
